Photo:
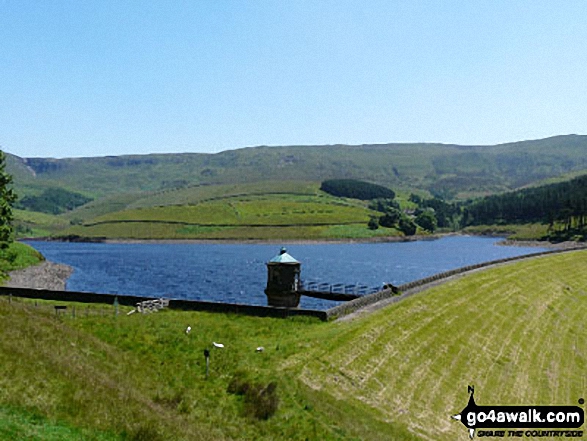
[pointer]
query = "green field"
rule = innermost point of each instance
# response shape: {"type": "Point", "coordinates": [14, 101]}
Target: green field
{"type": "Point", "coordinates": [249, 211]}
{"type": "Point", "coordinates": [276, 215]}
{"type": "Point", "coordinates": [215, 196]}
{"type": "Point", "coordinates": [515, 332]}
{"type": "Point", "coordinates": [514, 232]}
{"type": "Point", "coordinates": [34, 224]}
{"type": "Point", "coordinates": [270, 210]}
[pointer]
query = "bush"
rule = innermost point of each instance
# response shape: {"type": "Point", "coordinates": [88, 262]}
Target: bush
{"type": "Point", "coordinates": [407, 226]}
{"type": "Point", "coordinates": [261, 402]}
{"type": "Point", "coordinates": [427, 220]}
{"type": "Point", "coordinates": [145, 431]}
{"type": "Point", "coordinates": [354, 189]}
{"type": "Point", "coordinates": [240, 384]}
{"type": "Point", "coordinates": [391, 218]}
{"type": "Point", "coordinates": [384, 205]}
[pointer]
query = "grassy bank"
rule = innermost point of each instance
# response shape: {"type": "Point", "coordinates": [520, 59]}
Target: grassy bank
{"type": "Point", "coordinates": [513, 232]}
{"type": "Point", "coordinates": [17, 256]}
{"type": "Point", "coordinates": [398, 373]}
{"type": "Point", "coordinates": [142, 377]}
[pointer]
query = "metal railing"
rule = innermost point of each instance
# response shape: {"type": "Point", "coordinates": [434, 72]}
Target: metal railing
{"type": "Point", "coordinates": [338, 288]}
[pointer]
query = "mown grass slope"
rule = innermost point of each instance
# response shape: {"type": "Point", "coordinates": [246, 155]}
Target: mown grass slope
{"type": "Point", "coordinates": [516, 332]}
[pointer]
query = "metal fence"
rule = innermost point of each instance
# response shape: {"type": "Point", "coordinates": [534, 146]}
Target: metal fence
{"type": "Point", "coordinates": [337, 288]}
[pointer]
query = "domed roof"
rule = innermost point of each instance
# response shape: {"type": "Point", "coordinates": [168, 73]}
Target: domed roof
{"type": "Point", "coordinates": [284, 258]}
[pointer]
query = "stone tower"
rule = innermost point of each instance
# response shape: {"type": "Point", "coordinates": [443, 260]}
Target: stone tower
{"type": "Point", "coordinates": [283, 279]}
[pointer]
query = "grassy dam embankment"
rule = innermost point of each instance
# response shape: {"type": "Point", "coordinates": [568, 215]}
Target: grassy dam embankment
{"type": "Point", "coordinates": [515, 332]}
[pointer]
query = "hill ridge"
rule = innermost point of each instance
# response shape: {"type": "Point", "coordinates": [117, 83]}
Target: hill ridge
{"type": "Point", "coordinates": [450, 170]}
{"type": "Point", "coordinates": [261, 146]}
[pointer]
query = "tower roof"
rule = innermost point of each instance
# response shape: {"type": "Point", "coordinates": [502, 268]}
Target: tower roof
{"type": "Point", "coordinates": [284, 257]}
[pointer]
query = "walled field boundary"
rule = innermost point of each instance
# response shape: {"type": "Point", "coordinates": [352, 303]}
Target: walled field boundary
{"type": "Point", "coordinates": [387, 296]}
{"type": "Point", "coordinates": [376, 300]}
{"type": "Point", "coordinates": [182, 305]}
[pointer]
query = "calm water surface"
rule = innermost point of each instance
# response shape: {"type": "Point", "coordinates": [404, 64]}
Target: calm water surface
{"type": "Point", "coordinates": [236, 273]}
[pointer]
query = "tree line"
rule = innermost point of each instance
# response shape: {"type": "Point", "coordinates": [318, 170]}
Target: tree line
{"type": "Point", "coordinates": [354, 189]}
{"type": "Point", "coordinates": [562, 205]}
{"type": "Point", "coordinates": [53, 201]}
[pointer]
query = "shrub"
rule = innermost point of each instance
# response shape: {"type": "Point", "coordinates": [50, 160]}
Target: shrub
{"type": "Point", "coordinates": [384, 205]}
{"type": "Point", "coordinates": [145, 431]}
{"type": "Point", "coordinates": [391, 218]}
{"type": "Point", "coordinates": [427, 220]}
{"type": "Point", "coordinates": [261, 402]}
{"type": "Point", "coordinates": [407, 226]}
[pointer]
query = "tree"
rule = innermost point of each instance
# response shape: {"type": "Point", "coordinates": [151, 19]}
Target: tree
{"type": "Point", "coordinates": [391, 218]}
{"type": "Point", "coordinates": [383, 205]}
{"type": "Point", "coordinates": [415, 199]}
{"type": "Point", "coordinates": [407, 226]}
{"type": "Point", "coordinates": [7, 198]}
{"type": "Point", "coordinates": [373, 224]}
{"type": "Point", "coordinates": [351, 188]}
{"type": "Point", "coordinates": [427, 220]}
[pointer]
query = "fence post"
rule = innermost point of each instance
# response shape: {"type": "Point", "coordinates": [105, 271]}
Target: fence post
{"type": "Point", "coordinates": [207, 355]}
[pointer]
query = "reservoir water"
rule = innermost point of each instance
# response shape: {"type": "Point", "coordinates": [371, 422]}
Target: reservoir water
{"type": "Point", "coordinates": [236, 273]}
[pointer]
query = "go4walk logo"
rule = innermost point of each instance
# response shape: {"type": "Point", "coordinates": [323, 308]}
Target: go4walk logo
{"type": "Point", "coordinates": [550, 419]}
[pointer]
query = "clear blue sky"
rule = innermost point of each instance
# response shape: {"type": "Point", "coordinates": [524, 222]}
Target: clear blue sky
{"type": "Point", "coordinates": [93, 78]}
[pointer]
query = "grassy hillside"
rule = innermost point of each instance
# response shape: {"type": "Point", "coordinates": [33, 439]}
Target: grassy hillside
{"type": "Point", "coordinates": [449, 169]}
{"type": "Point", "coordinates": [196, 189]}
{"type": "Point", "coordinates": [263, 211]}
{"type": "Point", "coordinates": [254, 216]}
{"type": "Point", "coordinates": [398, 373]}
{"type": "Point", "coordinates": [413, 361]}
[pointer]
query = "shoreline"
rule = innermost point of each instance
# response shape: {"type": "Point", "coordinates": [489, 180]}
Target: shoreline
{"type": "Point", "coordinates": [46, 275]}
{"type": "Point", "coordinates": [541, 244]}
{"type": "Point", "coordinates": [387, 239]}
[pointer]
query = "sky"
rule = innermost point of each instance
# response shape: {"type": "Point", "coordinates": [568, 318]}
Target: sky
{"type": "Point", "coordinates": [118, 77]}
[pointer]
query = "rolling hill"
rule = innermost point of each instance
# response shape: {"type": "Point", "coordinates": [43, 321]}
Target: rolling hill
{"type": "Point", "coordinates": [260, 213]}
{"type": "Point", "coordinates": [453, 169]}
{"type": "Point", "coordinates": [262, 176]}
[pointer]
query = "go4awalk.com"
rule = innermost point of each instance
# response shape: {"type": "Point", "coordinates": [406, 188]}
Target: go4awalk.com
{"type": "Point", "coordinates": [521, 421]}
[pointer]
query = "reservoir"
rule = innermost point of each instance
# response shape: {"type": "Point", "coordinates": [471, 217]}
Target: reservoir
{"type": "Point", "coordinates": [236, 273]}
